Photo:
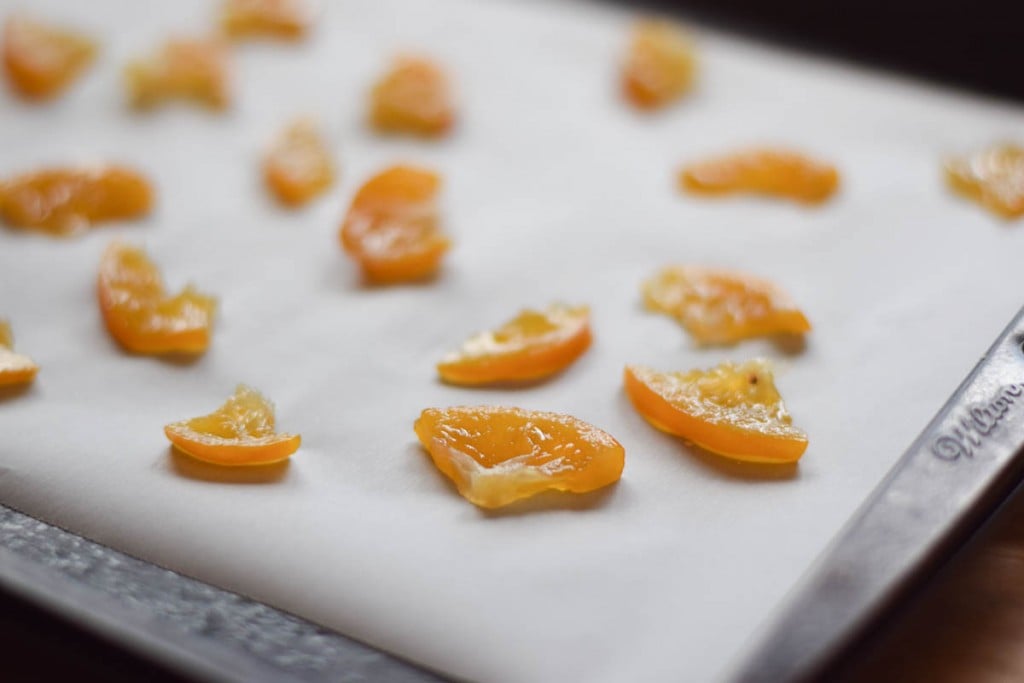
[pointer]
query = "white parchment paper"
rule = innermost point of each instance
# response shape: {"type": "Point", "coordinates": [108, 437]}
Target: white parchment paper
{"type": "Point", "coordinates": [554, 190]}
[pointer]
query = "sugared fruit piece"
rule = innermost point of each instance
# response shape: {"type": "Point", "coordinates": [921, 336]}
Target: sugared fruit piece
{"type": "Point", "coordinates": [194, 70]}
{"type": "Point", "coordinates": [413, 97]}
{"type": "Point", "coordinates": [532, 345]}
{"type": "Point", "coordinates": [42, 60]}
{"type": "Point", "coordinates": [62, 201]}
{"type": "Point", "coordinates": [240, 432]}
{"type": "Point", "coordinates": [497, 455]}
{"type": "Point", "coordinates": [718, 306]}
{"type": "Point", "coordinates": [660, 66]}
{"type": "Point", "coordinates": [15, 368]}
{"type": "Point", "coordinates": [774, 172]}
{"type": "Point", "coordinates": [140, 314]}
{"type": "Point", "coordinates": [298, 166]}
{"type": "Point", "coordinates": [280, 19]}
{"type": "Point", "coordinates": [733, 410]}
{"type": "Point", "coordinates": [392, 228]}
{"type": "Point", "coordinates": [993, 177]}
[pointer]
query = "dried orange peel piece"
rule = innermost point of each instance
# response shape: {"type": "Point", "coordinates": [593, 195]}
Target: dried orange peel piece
{"type": "Point", "coordinates": [194, 70]}
{"type": "Point", "coordinates": [15, 368]}
{"type": "Point", "coordinates": [240, 432]}
{"type": "Point", "coordinates": [392, 227]}
{"type": "Point", "coordinates": [64, 201]}
{"type": "Point", "coordinates": [733, 410]}
{"type": "Point", "coordinates": [660, 66]}
{"type": "Point", "coordinates": [41, 60]}
{"type": "Point", "coordinates": [298, 167]}
{"type": "Point", "coordinates": [532, 345]}
{"type": "Point", "coordinates": [774, 172]}
{"type": "Point", "coordinates": [993, 177]}
{"type": "Point", "coordinates": [413, 97]}
{"type": "Point", "coordinates": [718, 306]}
{"type": "Point", "coordinates": [498, 455]}
{"type": "Point", "coordinates": [280, 19]}
{"type": "Point", "coordinates": [140, 314]}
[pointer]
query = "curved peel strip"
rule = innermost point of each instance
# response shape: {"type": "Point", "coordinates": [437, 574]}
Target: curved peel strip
{"type": "Point", "coordinates": [993, 177]}
{"type": "Point", "coordinates": [280, 19]}
{"type": "Point", "coordinates": [660, 66]}
{"type": "Point", "coordinates": [15, 368]}
{"type": "Point", "coordinates": [298, 167]}
{"type": "Point", "coordinates": [194, 70]}
{"type": "Point", "coordinates": [775, 172]}
{"type": "Point", "coordinates": [42, 61]}
{"type": "Point", "coordinates": [412, 97]}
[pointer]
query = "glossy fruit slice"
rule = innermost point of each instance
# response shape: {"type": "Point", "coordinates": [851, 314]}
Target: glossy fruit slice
{"type": "Point", "coordinates": [240, 432]}
{"type": "Point", "coordinates": [733, 410]}
{"type": "Point", "coordinates": [41, 60]}
{"type": "Point", "coordinates": [392, 226]}
{"type": "Point", "coordinates": [15, 368]}
{"type": "Point", "coordinates": [532, 345]}
{"type": "Point", "coordinates": [993, 177]}
{"type": "Point", "coordinates": [298, 167]}
{"type": "Point", "coordinates": [140, 314]}
{"type": "Point", "coordinates": [499, 455]}
{"type": "Point", "coordinates": [775, 172]}
{"type": "Point", "coordinates": [718, 306]}
{"type": "Point", "coordinates": [281, 19]}
{"type": "Point", "coordinates": [412, 97]}
{"type": "Point", "coordinates": [660, 65]}
{"type": "Point", "coordinates": [194, 70]}
{"type": "Point", "coordinates": [62, 201]}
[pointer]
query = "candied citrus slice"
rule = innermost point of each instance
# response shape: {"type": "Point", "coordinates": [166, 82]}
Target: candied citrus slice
{"type": "Point", "coordinates": [993, 177]}
{"type": "Point", "coordinates": [718, 306]}
{"type": "Point", "coordinates": [412, 97]}
{"type": "Point", "coordinates": [532, 345]}
{"type": "Point", "coordinates": [733, 410]}
{"type": "Point", "coordinates": [298, 167]}
{"type": "Point", "coordinates": [41, 60]}
{"type": "Point", "coordinates": [140, 314]}
{"type": "Point", "coordinates": [392, 228]}
{"type": "Point", "coordinates": [660, 65]}
{"type": "Point", "coordinates": [240, 432]}
{"type": "Point", "coordinates": [62, 201]}
{"type": "Point", "coordinates": [498, 455]}
{"type": "Point", "coordinates": [195, 70]}
{"type": "Point", "coordinates": [283, 19]}
{"type": "Point", "coordinates": [774, 172]}
{"type": "Point", "coordinates": [15, 368]}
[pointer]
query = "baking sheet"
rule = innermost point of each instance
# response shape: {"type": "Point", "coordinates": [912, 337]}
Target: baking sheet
{"type": "Point", "coordinates": [554, 190]}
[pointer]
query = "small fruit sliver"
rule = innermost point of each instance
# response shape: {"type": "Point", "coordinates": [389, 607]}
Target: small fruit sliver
{"type": "Point", "coordinates": [298, 167]}
{"type": "Point", "coordinates": [660, 65]}
{"type": "Point", "coordinates": [774, 172]}
{"type": "Point", "coordinates": [15, 368]}
{"type": "Point", "coordinates": [64, 201]}
{"type": "Point", "coordinates": [498, 455]}
{"type": "Point", "coordinates": [733, 410]}
{"type": "Point", "coordinates": [413, 97]}
{"type": "Point", "coordinates": [41, 60]}
{"type": "Point", "coordinates": [391, 228]}
{"type": "Point", "coordinates": [194, 70]}
{"type": "Point", "coordinates": [532, 345]}
{"type": "Point", "coordinates": [993, 177]}
{"type": "Point", "coordinates": [718, 306]}
{"type": "Point", "coordinates": [280, 19]}
{"type": "Point", "coordinates": [140, 314]}
{"type": "Point", "coordinates": [240, 432]}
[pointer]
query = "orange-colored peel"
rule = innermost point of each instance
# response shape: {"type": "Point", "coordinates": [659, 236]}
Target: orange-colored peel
{"type": "Point", "coordinates": [280, 19]}
{"type": "Point", "coordinates": [660, 66]}
{"type": "Point", "coordinates": [298, 167]}
{"type": "Point", "coordinates": [993, 177]}
{"type": "Point", "coordinates": [774, 172]}
{"type": "Point", "coordinates": [194, 70]}
{"type": "Point", "coordinates": [413, 97]}
{"type": "Point", "coordinates": [15, 368]}
{"type": "Point", "coordinates": [41, 61]}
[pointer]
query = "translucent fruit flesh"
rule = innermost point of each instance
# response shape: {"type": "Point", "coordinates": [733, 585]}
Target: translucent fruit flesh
{"type": "Point", "coordinates": [282, 19]}
{"type": "Point", "coordinates": [413, 97]}
{"type": "Point", "coordinates": [497, 455]}
{"type": "Point", "coordinates": [140, 314]}
{"type": "Point", "coordinates": [993, 177]}
{"type": "Point", "coordinates": [392, 228]}
{"type": "Point", "coordinates": [63, 201]}
{"type": "Point", "coordinates": [773, 172]}
{"type": "Point", "coordinates": [240, 432]}
{"type": "Point", "coordinates": [733, 410]}
{"type": "Point", "coordinates": [532, 345]}
{"type": "Point", "coordinates": [195, 70]}
{"type": "Point", "coordinates": [298, 167]}
{"type": "Point", "coordinates": [660, 65]}
{"type": "Point", "coordinates": [40, 60]}
{"type": "Point", "coordinates": [719, 306]}
{"type": "Point", "coordinates": [15, 368]}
